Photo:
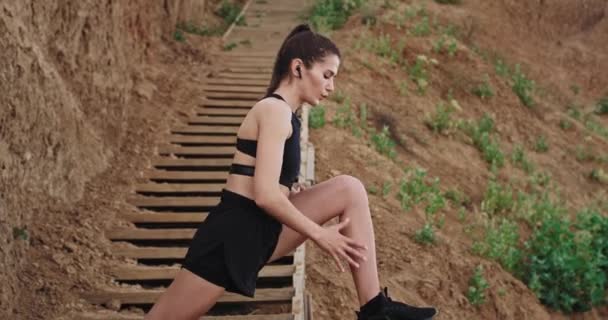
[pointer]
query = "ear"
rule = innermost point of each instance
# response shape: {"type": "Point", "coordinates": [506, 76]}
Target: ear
{"type": "Point", "coordinates": [296, 67]}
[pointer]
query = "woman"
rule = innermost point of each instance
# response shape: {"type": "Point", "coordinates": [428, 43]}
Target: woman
{"type": "Point", "coordinates": [259, 219]}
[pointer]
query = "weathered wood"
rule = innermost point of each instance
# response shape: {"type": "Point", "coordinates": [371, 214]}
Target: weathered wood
{"type": "Point", "coordinates": [234, 88]}
{"type": "Point", "coordinates": [201, 151]}
{"type": "Point", "coordinates": [186, 175]}
{"type": "Point", "coordinates": [163, 217]}
{"type": "Point", "coordinates": [235, 95]}
{"type": "Point", "coordinates": [179, 187]}
{"type": "Point", "coordinates": [202, 129]}
{"type": "Point", "coordinates": [110, 315]}
{"type": "Point", "coordinates": [185, 139]}
{"type": "Point", "coordinates": [227, 103]}
{"type": "Point", "coordinates": [137, 272]}
{"type": "Point", "coordinates": [180, 162]}
{"type": "Point", "coordinates": [240, 82]}
{"type": "Point", "coordinates": [155, 202]}
{"type": "Point", "coordinates": [150, 296]}
{"type": "Point", "coordinates": [149, 234]}
{"type": "Point", "coordinates": [215, 120]}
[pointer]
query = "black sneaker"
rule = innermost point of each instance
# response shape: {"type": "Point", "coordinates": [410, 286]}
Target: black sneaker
{"type": "Point", "coordinates": [393, 310]}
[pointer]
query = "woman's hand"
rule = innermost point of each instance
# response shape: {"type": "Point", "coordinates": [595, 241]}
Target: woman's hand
{"type": "Point", "coordinates": [339, 246]}
{"type": "Point", "coordinates": [297, 187]}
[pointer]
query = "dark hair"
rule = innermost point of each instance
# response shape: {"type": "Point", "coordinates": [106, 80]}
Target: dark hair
{"type": "Point", "coordinates": [301, 43]}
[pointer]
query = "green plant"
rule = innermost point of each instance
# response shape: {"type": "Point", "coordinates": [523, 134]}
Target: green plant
{"type": "Point", "coordinates": [502, 69]}
{"type": "Point", "coordinates": [422, 28]}
{"type": "Point", "coordinates": [413, 188]}
{"type": "Point", "coordinates": [484, 90]}
{"type": "Point", "coordinates": [501, 243]}
{"type": "Point", "coordinates": [229, 46]}
{"type": "Point", "coordinates": [316, 117]}
{"type": "Point", "coordinates": [523, 87]}
{"type": "Point", "coordinates": [383, 143]}
{"type": "Point", "coordinates": [480, 134]}
{"type": "Point", "coordinates": [178, 35]}
{"type": "Point", "coordinates": [519, 159]}
{"type": "Point", "coordinates": [229, 12]}
{"type": "Point", "coordinates": [602, 106]}
{"type": "Point", "coordinates": [20, 233]}
{"type": "Point", "coordinates": [565, 124]}
{"type": "Point", "coordinates": [372, 190]}
{"type": "Point", "coordinates": [386, 188]}
{"type": "Point", "coordinates": [476, 294]}
{"type": "Point", "coordinates": [497, 199]}
{"type": "Point", "coordinates": [344, 116]}
{"type": "Point", "coordinates": [541, 145]}
{"type": "Point", "coordinates": [441, 121]}
{"type": "Point", "coordinates": [418, 73]}
{"type": "Point", "coordinates": [426, 235]}
{"type": "Point", "coordinates": [598, 175]}
{"type": "Point", "coordinates": [327, 15]}
{"type": "Point", "coordinates": [583, 153]}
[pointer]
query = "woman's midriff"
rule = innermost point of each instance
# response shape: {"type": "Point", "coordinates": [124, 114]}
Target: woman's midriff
{"type": "Point", "coordinates": [243, 185]}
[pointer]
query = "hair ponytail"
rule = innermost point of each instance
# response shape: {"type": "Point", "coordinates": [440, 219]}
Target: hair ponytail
{"type": "Point", "coordinates": [300, 43]}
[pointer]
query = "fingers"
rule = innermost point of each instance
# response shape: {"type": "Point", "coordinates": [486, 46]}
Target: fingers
{"type": "Point", "coordinates": [338, 262]}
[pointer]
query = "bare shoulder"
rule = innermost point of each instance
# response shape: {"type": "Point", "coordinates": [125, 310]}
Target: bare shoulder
{"type": "Point", "coordinates": [273, 113]}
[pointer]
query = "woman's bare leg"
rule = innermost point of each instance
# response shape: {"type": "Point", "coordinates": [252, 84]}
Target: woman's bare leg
{"type": "Point", "coordinates": [187, 298]}
{"type": "Point", "coordinates": [346, 197]}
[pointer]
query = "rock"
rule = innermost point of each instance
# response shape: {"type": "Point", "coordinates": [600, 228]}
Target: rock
{"type": "Point", "coordinates": [145, 89]}
{"type": "Point", "coordinates": [113, 304]}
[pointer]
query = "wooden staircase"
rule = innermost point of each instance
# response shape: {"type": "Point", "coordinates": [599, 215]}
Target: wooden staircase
{"type": "Point", "coordinates": [186, 179]}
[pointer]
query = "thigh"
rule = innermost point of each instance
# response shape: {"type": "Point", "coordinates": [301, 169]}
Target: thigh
{"type": "Point", "coordinates": [320, 203]}
{"type": "Point", "coordinates": [188, 297]}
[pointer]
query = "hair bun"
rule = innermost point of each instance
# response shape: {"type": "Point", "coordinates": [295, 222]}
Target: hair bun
{"type": "Point", "coordinates": [299, 28]}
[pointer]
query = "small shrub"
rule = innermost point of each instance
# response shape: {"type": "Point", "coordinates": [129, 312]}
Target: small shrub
{"type": "Point", "coordinates": [229, 46]}
{"type": "Point", "coordinates": [418, 73]}
{"type": "Point", "coordinates": [422, 28]}
{"type": "Point", "coordinates": [386, 188]}
{"type": "Point", "coordinates": [602, 106]}
{"type": "Point", "coordinates": [497, 199]}
{"type": "Point", "coordinates": [523, 87]}
{"type": "Point", "coordinates": [520, 160]}
{"type": "Point", "coordinates": [441, 121]}
{"type": "Point", "coordinates": [565, 124]}
{"type": "Point", "coordinates": [501, 243]}
{"type": "Point", "coordinates": [541, 144]}
{"type": "Point", "coordinates": [329, 15]}
{"type": "Point", "coordinates": [426, 235]}
{"type": "Point", "coordinates": [413, 188]}
{"type": "Point", "coordinates": [383, 143]}
{"type": "Point", "coordinates": [502, 69]}
{"type": "Point", "coordinates": [598, 175]}
{"type": "Point", "coordinates": [229, 12]}
{"type": "Point", "coordinates": [20, 233]}
{"type": "Point", "coordinates": [316, 117]}
{"type": "Point", "coordinates": [476, 294]}
{"type": "Point", "coordinates": [178, 35]}
{"type": "Point", "coordinates": [484, 90]}
{"type": "Point", "coordinates": [344, 116]}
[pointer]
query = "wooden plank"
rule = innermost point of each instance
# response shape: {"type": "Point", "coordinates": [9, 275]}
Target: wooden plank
{"type": "Point", "coordinates": [234, 88]}
{"type": "Point", "coordinates": [154, 202]}
{"type": "Point", "coordinates": [257, 54]}
{"type": "Point", "coordinates": [180, 163]}
{"type": "Point", "coordinates": [150, 252]}
{"type": "Point", "coordinates": [111, 315]}
{"type": "Point", "coordinates": [138, 272]}
{"type": "Point", "coordinates": [133, 252]}
{"type": "Point", "coordinates": [179, 138]}
{"type": "Point", "coordinates": [150, 296]}
{"type": "Point", "coordinates": [240, 82]}
{"type": "Point", "coordinates": [150, 234]}
{"type": "Point", "coordinates": [179, 187]}
{"type": "Point", "coordinates": [230, 75]}
{"type": "Point", "coordinates": [199, 151]}
{"type": "Point", "coordinates": [163, 217]}
{"type": "Point", "coordinates": [186, 175]}
{"type": "Point", "coordinates": [227, 103]}
{"type": "Point", "coordinates": [215, 120]}
{"type": "Point", "coordinates": [201, 129]}
{"type": "Point", "coordinates": [235, 95]}
{"type": "Point", "coordinates": [223, 111]}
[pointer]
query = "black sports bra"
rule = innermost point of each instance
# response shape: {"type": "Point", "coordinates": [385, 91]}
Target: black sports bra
{"type": "Point", "coordinates": [290, 168]}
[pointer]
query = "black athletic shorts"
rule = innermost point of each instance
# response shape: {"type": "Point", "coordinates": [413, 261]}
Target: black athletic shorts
{"type": "Point", "coordinates": [232, 245]}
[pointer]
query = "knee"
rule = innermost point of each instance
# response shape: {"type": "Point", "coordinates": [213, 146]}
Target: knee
{"type": "Point", "coordinates": [353, 188]}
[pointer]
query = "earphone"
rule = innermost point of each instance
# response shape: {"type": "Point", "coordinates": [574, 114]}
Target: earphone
{"type": "Point", "coordinates": [299, 72]}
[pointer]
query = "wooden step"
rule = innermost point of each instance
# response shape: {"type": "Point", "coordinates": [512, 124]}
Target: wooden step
{"type": "Point", "coordinates": [215, 120]}
{"type": "Point", "coordinates": [199, 151]}
{"type": "Point", "coordinates": [186, 175]}
{"type": "Point", "coordinates": [223, 111]}
{"type": "Point", "coordinates": [227, 103]}
{"type": "Point", "coordinates": [125, 233]}
{"type": "Point", "coordinates": [201, 129]}
{"type": "Point", "coordinates": [159, 202]}
{"type": "Point", "coordinates": [111, 315]}
{"type": "Point", "coordinates": [235, 88]}
{"type": "Point", "coordinates": [259, 54]}
{"type": "Point", "coordinates": [241, 82]}
{"type": "Point", "coordinates": [179, 187]}
{"type": "Point", "coordinates": [246, 70]}
{"type": "Point", "coordinates": [149, 252]}
{"type": "Point", "coordinates": [134, 252]}
{"type": "Point", "coordinates": [140, 272]}
{"type": "Point", "coordinates": [229, 75]}
{"type": "Point", "coordinates": [150, 296]}
{"type": "Point", "coordinates": [163, 217]}
{"type": "Point", "coordinates": [167, 162]}
{"type": "Point", "coordinates": [223, 140]}
{"type": "Point", "coordinates": [235, 95]}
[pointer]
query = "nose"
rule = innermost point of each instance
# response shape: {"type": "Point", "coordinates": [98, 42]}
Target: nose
{"type": "Point", "coordinates": [331, 85]}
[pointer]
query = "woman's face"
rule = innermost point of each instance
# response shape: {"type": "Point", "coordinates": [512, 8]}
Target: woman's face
{"type": "Point", "coordinates": [318, 81]}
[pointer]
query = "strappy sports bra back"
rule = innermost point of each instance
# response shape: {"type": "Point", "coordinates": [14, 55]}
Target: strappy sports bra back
{"type": "Point", "coordinates": [290, 168]}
